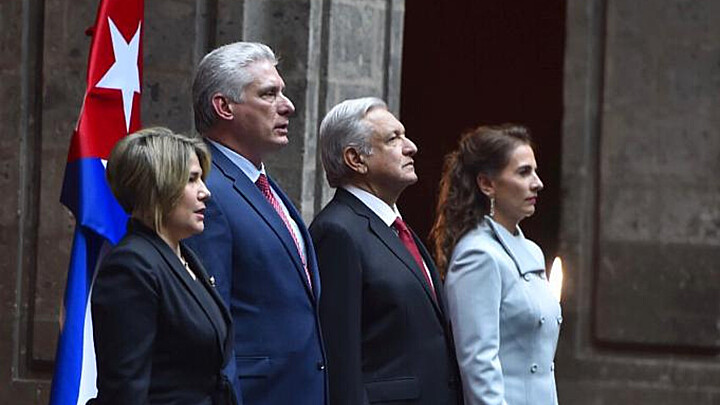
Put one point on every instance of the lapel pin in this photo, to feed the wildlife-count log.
(212, 281)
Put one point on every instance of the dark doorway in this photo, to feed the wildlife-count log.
(471, 62)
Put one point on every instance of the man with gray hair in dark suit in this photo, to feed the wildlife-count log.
(382, 307)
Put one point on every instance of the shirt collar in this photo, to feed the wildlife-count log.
(386, 213)
(240, 161)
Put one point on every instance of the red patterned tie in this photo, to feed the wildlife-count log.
(407, 240)
(264, 186)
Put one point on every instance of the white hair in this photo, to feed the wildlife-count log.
(345, 126)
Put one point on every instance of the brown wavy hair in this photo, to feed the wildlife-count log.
(461, 206)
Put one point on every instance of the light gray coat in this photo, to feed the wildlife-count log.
(504, 318)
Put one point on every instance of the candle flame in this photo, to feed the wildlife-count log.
(556, 278)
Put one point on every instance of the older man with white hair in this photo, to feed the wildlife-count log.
(382, 308)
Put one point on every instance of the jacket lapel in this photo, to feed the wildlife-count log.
(434, 275)
(249, 191)
(516, 249)
(202, 275)
(310, 259)
(393, 243)
(179, 271)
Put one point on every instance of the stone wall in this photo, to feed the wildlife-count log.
(640, 220)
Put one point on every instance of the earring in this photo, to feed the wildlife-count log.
(492, 206)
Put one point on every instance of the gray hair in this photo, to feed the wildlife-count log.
(345, 126)
(224, 71)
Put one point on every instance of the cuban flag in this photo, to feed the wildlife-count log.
(110, 110)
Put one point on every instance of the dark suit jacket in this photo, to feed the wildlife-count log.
(159, 339)
(259, 273)
(387, 338)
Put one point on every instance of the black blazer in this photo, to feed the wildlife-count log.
(160, 336)
(387, 338)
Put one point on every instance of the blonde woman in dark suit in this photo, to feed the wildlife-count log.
(162, 334)
(504, 319)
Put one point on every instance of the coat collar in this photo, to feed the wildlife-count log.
(249, 191)
(385, 212)
(516, 247)
(393, 243)
(177, 268)
(240, 161)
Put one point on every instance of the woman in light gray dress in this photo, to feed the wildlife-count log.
(505, 320)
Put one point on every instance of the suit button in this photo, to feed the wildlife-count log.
(527, 277)
(320, 366)
(533, 368)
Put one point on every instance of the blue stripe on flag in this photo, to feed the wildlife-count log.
(86, 193)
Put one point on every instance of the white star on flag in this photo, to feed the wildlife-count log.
(123, 75)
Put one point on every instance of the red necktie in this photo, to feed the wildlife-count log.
(407, 240)
(264, 186)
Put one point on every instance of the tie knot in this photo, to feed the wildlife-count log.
(399, 224)
(262, 183)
